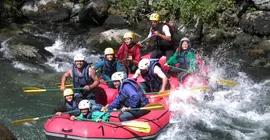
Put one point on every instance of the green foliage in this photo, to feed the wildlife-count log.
(129, 9)
(251, 9)
(188, 10)
(184, 10)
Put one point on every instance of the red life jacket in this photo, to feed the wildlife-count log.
(127, 51)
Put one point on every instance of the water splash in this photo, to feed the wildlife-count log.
(5, 50)
(63, 55)
(24, 67)
(33, 6)
(237, 113)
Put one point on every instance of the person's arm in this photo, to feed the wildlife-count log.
(64, 78)
(137, 74)
(173, 59)
(80, 117)
(93, 75)
(192, 62)
(119, 67)
(115, 103)
(99, 65)
(167, 33)
(160, 74)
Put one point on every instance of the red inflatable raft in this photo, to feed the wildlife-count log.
(60, 127)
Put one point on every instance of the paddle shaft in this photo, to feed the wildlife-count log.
(147, 38)
(154, 106)
(55, 115)
(190, 72)
(117, 123)
(44, 90)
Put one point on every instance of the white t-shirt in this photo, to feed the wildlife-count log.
(157, 71)
(165, 30)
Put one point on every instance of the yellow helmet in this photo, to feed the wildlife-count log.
(68, 92)
(154, 17)
(108, 51)
(129, 35)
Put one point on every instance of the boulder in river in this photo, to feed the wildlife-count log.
(256, 23)
(5, 133)
(95, 12)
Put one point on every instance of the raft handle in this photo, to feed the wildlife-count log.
(69, 130)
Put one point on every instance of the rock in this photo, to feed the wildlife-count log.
(242, 6)
(27, 47)
(259, 62)
(213, 36)
(262, 4)
(264, 45)
(229, 17)
(257, 23)
(94, 13)
(267, 65)
(245, 41)
(194, 32)
(5, 133)
(115, 21)
(51, 12)
(112, 34)
(112, 38)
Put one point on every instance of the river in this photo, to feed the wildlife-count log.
(237, 113)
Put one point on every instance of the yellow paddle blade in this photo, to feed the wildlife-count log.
(32, 90)
(154, 106)
(167, 92)
(138, 126)
(199, 88)
(18, 122)
(227, 82)
(160, 95)
(68, 85)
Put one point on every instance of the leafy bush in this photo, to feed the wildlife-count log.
(130, 9)
(188, 10)
(183, 10)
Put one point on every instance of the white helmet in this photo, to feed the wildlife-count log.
(79, 57)
(144, 64)
(119, 76)
(84, 104)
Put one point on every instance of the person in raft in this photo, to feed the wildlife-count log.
(83, 76)
(129, 53)
(88, 111)
(153, 74)
(185, 55)
(70, 103)
(130, 96)
(108, 66)
(164, 39)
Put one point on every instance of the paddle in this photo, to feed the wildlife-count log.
(165, 94)
(134, 125)
(67, 85)
(18, 122)
(228, 82)
(36, 90)
(154, 106)
(147, 38)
